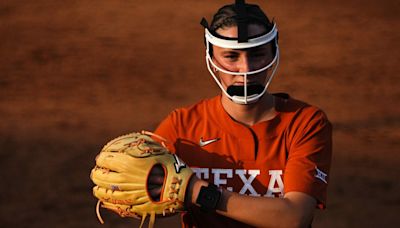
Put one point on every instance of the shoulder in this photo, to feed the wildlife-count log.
(298, 117)
(196, 112)
(183, 120)
(186, 120)
(297, 110)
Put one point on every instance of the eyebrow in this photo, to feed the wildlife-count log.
(261, 48)
(233, 51)
(236, 51)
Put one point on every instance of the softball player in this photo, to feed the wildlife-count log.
(260, 159)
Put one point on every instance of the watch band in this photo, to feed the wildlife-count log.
(208, 198)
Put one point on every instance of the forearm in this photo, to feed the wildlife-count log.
(259, 211)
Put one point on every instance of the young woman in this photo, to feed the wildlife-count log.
(260, 159)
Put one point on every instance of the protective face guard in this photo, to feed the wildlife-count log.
(234, 44)
(242, 42)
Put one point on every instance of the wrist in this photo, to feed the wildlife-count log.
(193, 193)
(209, 198)
(193, 190)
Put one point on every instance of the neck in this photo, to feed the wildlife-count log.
(251, 114)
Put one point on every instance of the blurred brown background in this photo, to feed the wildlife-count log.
(75, 74)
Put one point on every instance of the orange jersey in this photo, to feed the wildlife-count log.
(291, 152)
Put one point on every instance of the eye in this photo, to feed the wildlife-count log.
(259, 54)
(231, 57)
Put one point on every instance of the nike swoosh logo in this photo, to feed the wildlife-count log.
(204, 143)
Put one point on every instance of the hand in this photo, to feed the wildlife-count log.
(155, 182)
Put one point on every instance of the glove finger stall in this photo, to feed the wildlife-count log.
(114, 177)
(119, 186)
(120, 197)
(122, 163)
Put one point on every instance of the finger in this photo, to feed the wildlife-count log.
(155, 193)
(157, 170)
(156, 180)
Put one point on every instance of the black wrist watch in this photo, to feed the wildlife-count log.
(208, 198)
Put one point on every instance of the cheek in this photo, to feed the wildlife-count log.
(221, 62)
(260, 77)
(226, 79)
(261, 62)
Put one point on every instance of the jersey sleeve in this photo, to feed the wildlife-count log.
(167, 129)
(309, 156)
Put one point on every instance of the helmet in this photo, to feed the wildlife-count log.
(246, 94)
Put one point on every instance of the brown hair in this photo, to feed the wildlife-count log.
(227, 16)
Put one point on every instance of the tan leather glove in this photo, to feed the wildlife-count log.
(121, 178)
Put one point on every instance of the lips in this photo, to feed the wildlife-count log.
(248, 83)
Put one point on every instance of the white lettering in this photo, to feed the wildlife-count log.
(275, 179)
(201, 173)
(247, 182)
(217, 177)
(221, 177)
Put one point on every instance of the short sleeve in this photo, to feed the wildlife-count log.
(167, 130)
(309, 156)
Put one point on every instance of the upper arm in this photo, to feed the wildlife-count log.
(309, 157)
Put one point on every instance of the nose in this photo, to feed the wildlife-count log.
(243, 64)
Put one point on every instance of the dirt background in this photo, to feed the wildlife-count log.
(75, 74)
